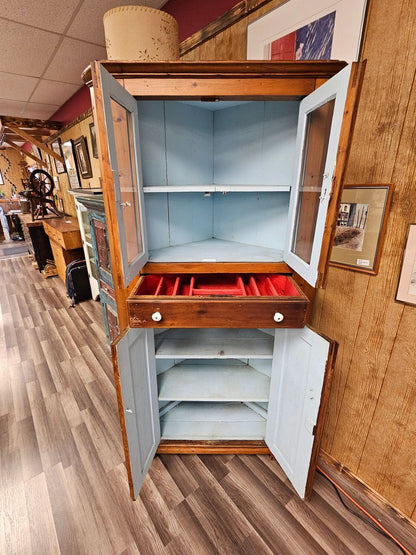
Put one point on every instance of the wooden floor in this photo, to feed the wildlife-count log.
(63, 482)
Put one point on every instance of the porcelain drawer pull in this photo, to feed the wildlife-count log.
(278, 317)
(156, 316)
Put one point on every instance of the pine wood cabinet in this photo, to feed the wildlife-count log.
(221, 183)
(65, 241)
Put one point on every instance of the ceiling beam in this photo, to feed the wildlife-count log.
(28, 137)
(20, 149)
(30, 123)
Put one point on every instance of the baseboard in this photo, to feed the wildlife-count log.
(398, 524)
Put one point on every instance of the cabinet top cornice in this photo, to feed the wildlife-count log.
(276, 69)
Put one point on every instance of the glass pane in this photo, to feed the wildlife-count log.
(129, 192)
(318, 127)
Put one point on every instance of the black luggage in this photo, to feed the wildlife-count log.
(77, 281)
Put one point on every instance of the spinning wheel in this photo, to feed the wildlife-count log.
(39, 191)
(41, 183)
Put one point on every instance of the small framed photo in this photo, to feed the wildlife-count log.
(56, 147)
(361, 226)
(406, 290)
(93, 138)
(37, 152)
(68, 152)
(83, 157)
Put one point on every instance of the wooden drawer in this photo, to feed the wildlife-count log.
(217, 300)
(64, 232)
(109, 291)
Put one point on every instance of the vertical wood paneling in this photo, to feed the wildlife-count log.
(371, 421)
(369, 428)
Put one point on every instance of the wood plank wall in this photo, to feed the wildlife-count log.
(371, 426)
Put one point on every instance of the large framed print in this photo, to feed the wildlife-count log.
(313, 30)
(68, 152)
(406, 290)
(361, 227)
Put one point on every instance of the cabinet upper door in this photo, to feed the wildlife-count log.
(321, 119)
(133, 355)
(126, 203)
(302, 367)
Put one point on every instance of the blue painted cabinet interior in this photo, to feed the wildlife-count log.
(189, 145)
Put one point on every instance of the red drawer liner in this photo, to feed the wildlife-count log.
(217, 285)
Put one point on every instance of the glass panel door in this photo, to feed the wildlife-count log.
(319, 127)
(315, 149)
(120, 110)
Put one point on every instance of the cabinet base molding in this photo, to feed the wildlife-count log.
(398, 524)
(213, 447)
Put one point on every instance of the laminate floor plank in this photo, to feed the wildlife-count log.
(63, 483)
(29, 449)
(42, 526)
(28, 370)
(180, 473)
(195, 535)
(67, 524)
(166, 485)
(165, 521)
(137, 518)
(275, 524)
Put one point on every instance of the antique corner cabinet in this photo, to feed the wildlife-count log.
(221, 182)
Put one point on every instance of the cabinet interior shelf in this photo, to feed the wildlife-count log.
(214, 188)
(213, 381)
(211, 421)
(214, 344)
(215, 250)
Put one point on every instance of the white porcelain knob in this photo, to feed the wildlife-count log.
(278, 317)
(156, 316)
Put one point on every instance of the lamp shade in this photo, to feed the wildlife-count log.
(140, 33)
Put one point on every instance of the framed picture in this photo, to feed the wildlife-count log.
(313, 30)
(37, 152)
(83, 157)
(56, 147)
(57, 185)
(93, 138)
(406, 290)
(361, 226)
(1, 179)
(68, 153)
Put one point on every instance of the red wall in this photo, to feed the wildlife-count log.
(79, 103)
(191, 15)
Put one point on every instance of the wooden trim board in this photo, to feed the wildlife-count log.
(213, 447)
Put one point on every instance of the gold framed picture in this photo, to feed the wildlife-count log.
(361, 227)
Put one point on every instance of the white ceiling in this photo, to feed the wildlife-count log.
(45, 46)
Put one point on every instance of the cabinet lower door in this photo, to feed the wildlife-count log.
(302, 367)
(133, 356)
